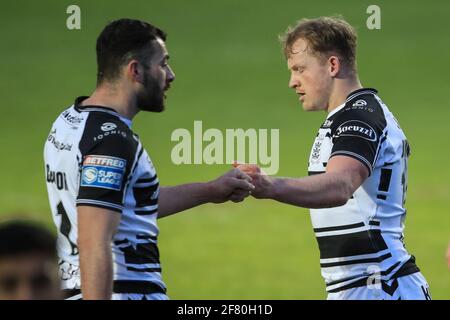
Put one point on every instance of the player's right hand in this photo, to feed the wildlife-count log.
(264, 185)
(234, 185)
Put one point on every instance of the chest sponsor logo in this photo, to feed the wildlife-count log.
(103, 172)
(56, 177)
(71, 118)
(356, 128)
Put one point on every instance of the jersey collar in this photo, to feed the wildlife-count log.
(361, 91)
(80, 108)
(351, 96)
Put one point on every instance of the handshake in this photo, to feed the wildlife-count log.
(239, 183)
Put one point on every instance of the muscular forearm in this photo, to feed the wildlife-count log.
(96, 271)
(179, 198)
(319, 191)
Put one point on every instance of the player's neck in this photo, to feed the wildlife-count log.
(112, 97)
(342, 88)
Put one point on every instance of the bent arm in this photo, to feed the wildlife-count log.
(331, 189)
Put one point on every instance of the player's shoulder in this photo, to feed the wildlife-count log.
(363, 104)
(362, 111)
(106, 130)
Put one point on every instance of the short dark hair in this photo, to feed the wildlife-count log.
(20, 237)
(324, 36)
(121, 41)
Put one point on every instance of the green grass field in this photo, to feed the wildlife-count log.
(231, 74)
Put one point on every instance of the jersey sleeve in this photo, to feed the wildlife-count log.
(105, 170)
(358, 133)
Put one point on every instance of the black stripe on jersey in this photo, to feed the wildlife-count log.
(381, 196)
(99, 204)
(135, 286)
(147, 180)
(143, 253)
(408, 268)
(342, 227)
(357, 261)
(143, 195)
(144, 269)
(332, 283)
(312, 173)
(391, 268)
(351, 244)
(145, 212)
(71, 294)
(359, 283)
(374, 223)
(385, 180)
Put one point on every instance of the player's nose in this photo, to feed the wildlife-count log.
(170, 75)
(293, 82)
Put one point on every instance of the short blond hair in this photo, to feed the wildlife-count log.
(325, 36)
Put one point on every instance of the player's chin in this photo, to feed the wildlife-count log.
(156, 105)
(308, 107)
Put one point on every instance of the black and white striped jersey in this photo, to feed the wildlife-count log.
(93, 158)
(364, 237)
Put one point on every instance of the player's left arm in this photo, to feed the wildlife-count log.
(330, 189)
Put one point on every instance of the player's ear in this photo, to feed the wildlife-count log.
(334, 65)
(135, 71)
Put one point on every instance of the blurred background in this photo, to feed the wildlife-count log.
(231, 74)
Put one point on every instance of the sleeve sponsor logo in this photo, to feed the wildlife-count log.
(356, 128)
(103, 172)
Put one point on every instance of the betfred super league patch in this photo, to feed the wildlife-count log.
(103, 172)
